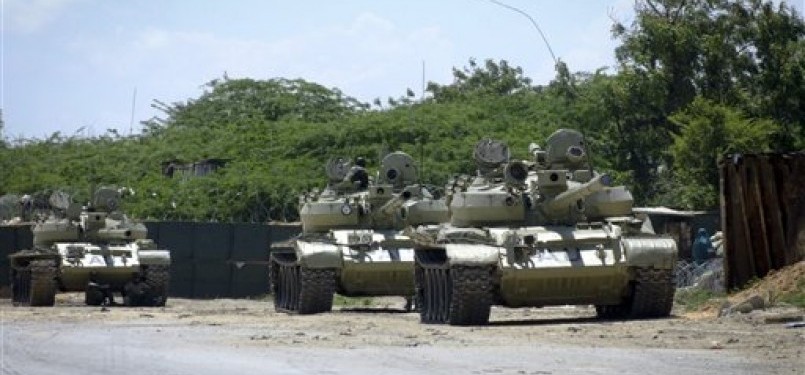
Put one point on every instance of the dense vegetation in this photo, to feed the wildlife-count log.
(695, 79)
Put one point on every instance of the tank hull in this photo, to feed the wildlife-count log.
(378, 272)
(366, 262)
(563, 286)
(77, 279)
(98, 270)
(561, 265)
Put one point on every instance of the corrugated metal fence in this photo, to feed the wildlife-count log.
(12, 238)
(208, 259)
(763, 213)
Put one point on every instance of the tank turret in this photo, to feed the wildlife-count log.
(557, 186)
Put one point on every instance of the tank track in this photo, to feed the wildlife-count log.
(301, 290)
(150, 289)
(157, 277)
(35, 284)
(653, 293)
(455, 295)
(652, 297)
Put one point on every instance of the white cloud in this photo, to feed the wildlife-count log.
(28, 16)
(371, 23)
(366, 57)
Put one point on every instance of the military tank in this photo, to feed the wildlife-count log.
(351, 241)
(540, 232)
(93, 249)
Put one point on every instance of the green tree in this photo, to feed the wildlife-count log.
(708, 131)
(744, 53)
(491, 78)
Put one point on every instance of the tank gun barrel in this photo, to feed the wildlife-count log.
(114, 234)
(117, 234)
(568, 197)
(395, 203)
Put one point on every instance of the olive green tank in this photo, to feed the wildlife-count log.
(93, 249)
(352, 241)
(540, 232)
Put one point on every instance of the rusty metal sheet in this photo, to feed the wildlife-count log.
(763, 213)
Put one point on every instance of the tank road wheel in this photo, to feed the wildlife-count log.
(424, 291)
(652, 297)
(278, 276)
(430, 296)
(301, 290)
(457, 295)
(34, 284)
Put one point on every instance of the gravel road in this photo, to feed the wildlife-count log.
(247, 337)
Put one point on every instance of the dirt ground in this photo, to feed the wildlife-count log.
(760, 336)
(247, 336)
(778, 282)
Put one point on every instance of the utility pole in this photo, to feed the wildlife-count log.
(133, 103)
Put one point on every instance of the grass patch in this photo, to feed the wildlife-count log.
(694, 299)
(344, 301)
(796, 297)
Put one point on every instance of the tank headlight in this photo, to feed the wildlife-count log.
(346, 209)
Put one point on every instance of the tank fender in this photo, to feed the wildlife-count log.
(472, 254)
(659, 253)
(318, 254)
(154, 257)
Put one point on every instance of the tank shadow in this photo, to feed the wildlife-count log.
(374, 310)
(548, 321)
(577, 320)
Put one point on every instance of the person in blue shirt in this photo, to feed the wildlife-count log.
(702, 247)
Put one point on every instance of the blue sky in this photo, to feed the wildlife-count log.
(74, 64)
